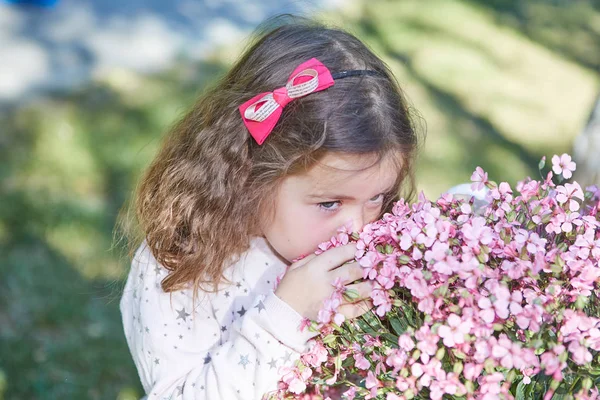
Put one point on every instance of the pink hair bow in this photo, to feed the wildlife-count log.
(261, 113)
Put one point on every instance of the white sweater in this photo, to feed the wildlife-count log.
(227, 345)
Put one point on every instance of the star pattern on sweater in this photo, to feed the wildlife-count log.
(272, 363)
(260, 306)
(244, 360)
(181, 314)
(210, 327)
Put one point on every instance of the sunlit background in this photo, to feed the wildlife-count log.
(87, 89)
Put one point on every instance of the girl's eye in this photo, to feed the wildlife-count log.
(378, 198)
(329, 205)
(335, 205)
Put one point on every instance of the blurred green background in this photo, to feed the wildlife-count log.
(498, 84)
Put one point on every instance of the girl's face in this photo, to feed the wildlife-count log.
(310, 207)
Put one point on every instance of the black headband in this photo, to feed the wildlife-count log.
(354, 72)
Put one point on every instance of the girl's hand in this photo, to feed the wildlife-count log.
(309, 281)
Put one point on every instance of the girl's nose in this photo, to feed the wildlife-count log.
(358, 221)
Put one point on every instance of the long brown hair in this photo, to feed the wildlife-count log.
(204, 195)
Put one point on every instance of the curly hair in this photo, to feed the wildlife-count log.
(211, 184)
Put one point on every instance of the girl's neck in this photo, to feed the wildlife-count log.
(261, 243)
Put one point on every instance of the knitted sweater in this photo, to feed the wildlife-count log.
(225, 345)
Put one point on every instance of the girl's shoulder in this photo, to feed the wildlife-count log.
(143, 255)
(252, 265)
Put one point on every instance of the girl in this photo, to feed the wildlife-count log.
(306, 133)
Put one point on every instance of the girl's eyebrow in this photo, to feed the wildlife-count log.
(329, 196)
(341, 196)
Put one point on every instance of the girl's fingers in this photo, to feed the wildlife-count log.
(337, 256)
(302, 262)
(348, 272)
(355, 310)
(363, 289)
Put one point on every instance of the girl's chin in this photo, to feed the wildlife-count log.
(299, 257)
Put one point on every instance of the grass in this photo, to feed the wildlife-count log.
(498, 84)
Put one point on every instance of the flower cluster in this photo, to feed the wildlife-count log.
(497, 303)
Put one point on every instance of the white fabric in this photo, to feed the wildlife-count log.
(227, 345)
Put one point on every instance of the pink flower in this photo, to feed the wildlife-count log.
(316, 356)
(387, 275)
(454, 333)
(372, 383)
(528, 189)
(361, 362)
(438, 252)
(477, 232)
(472, 371)
(416, 370)
(586, 245)
(492, 287)
(530, 240)
(482, 351)
(330, 307)
(514, 269)
(369, 261)
(426, 340)
(382, 300)
(530, 318)
(569, 193)
(507, 352)
(579, 353)
(490, 385)
(417, 284)
(294, 379)
(405, 342)
(305, 323)
(396, 359)
(479, 179)
(350, 393)
(551, 363)
(486, 312)
(563, 165)
(339, 319)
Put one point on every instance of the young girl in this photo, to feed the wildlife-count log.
(306, 133)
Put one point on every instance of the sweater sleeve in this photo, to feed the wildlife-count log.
(183, 350)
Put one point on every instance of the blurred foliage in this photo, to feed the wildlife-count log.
(68, 165)
(498, 84)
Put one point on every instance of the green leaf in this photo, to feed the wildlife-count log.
(520, 394)
(398, 325)
(350, 295)
(390, 338)
(329, 339)
(338, 363)
(371, 319)
(366, 328)
(409, 314)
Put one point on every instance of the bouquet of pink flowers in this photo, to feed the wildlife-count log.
(496, 303)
